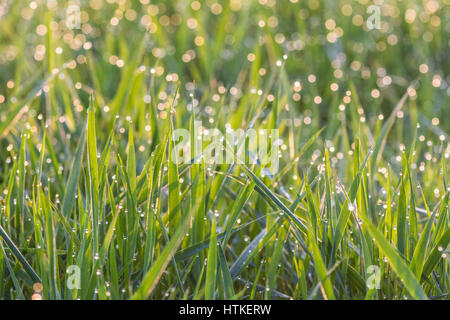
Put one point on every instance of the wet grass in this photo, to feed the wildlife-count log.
(357, 210)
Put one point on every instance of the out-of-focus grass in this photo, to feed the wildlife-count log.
(86, 117)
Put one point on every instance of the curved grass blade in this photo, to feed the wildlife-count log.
(19, 256)
(395, 260)
(381, 140)
(152, 277)
(72, 182)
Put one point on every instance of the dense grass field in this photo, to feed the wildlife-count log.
(93, 205)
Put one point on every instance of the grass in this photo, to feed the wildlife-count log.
(86, 133)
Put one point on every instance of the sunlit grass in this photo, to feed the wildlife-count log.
(86, 122)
